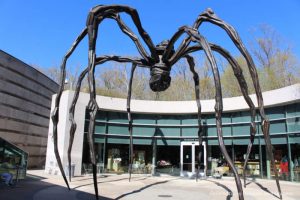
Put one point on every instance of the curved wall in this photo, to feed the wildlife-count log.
(25, 99)
(271, 98)
(175, 121)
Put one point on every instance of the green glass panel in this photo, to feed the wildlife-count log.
(143, 141)
(189, 119)
(277, 127)
(167, 142)
(187, 131)
(211, 131)
(226, 130)
(210, 119)
(243, 116)
(297, 105)
(215, 142)
(226, 118)
(275, 140)
(241, 141)
(117, 117)
(245, 141)
(228, 141)
(143, 131)
(295, 138)
(241, 129)
(212, 142)
(100, 128)
(293, 124)
(275, 113)
(118, 140)
(168, 119)
(118, 129)
(143, 119)
(100, 139)
(167, 132)
(293, 110)
(101, 115)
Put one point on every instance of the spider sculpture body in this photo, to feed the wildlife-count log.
(160, 61)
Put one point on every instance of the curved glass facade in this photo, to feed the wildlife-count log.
(158, 138)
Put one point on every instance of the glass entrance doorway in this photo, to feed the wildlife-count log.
(189, 158)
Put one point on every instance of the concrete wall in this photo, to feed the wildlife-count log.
(25, 101)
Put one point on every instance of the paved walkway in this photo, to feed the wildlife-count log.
(40, 186)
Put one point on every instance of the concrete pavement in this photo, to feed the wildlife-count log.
(40, 186)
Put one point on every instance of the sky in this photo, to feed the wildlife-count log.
(40, 32)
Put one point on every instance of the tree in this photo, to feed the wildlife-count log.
(112, 81)
(71, 76)
(207, 85)
(230, 85)
(278, 66)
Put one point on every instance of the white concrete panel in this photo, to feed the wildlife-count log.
(271, 98)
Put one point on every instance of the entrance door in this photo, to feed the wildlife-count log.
(187, 163)
(189, 158)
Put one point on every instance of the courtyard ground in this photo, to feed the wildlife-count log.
(40, 186)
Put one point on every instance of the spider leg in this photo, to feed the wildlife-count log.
(130, 120)
(244, 89)
(100, 12)
(184, 44)
(210, 16)
(92, 105)
(71, 116)
(125, 29)
(191, 63)
(95, 17)
(219, 103)
(55, 112)
(99, 60)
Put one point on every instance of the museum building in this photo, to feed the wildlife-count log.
(25, 103)
(165, 136)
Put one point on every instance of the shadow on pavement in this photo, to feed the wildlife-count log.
(265, 189)
(141, 189)
(34, 188)
(84, 178)
(229, 196)
(110, 181)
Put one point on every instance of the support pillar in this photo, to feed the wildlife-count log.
(153, 169)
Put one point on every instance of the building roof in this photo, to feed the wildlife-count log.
(282, 96)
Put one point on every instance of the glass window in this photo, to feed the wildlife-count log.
(117, 117)
(12, 159)
(295, 161)
(243, 116)
(143, 130)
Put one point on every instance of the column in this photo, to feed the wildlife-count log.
(153, 169)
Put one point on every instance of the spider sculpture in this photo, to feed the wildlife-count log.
(160, 60)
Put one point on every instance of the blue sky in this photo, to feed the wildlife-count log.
(40, 32)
